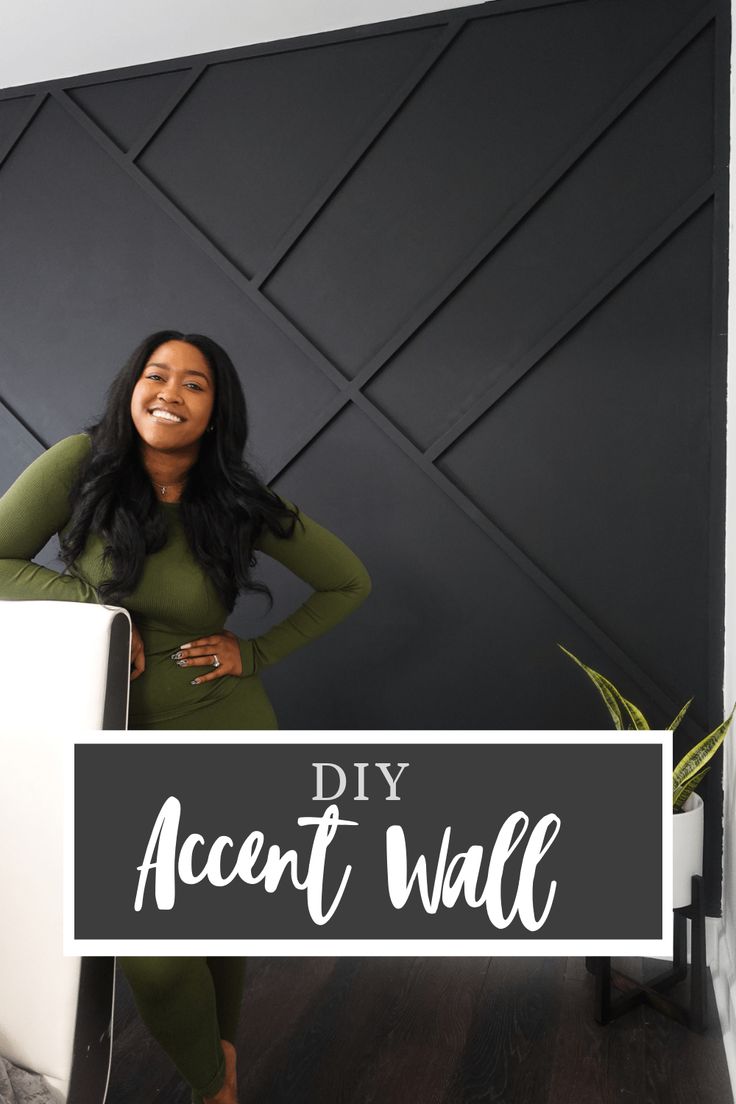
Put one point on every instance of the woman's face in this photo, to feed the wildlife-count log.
(173, 400)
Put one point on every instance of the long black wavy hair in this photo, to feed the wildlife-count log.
(224, 506)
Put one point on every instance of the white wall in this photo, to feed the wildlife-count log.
(49, 39)
(722, 933)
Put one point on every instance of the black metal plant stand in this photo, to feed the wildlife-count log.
(634, 993)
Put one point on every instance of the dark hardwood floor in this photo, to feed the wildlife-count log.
(436, 1031)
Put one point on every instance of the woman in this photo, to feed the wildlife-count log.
(157, 511)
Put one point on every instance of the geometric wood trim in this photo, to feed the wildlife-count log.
(198, 236)
(350, 391)
(21, 421)
(528, 202)
(33, 108)
(166, 111)
(525, 563)
(556, 333)
(358, 150)
(580, 310)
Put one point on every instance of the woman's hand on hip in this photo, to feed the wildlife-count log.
(221, 651)
(137, 654)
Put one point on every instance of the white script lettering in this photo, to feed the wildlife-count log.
(161, 857)
(464, 872)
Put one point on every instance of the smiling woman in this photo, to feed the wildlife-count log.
(157, 510)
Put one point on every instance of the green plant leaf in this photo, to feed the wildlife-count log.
(680, 794)
(640, 721)
(680, 715)
(616, 703)
(698, 756)
(599, 683)
(693, 766)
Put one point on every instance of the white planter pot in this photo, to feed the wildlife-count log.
(687, 849)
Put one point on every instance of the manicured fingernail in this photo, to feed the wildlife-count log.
(181, 662)
(176, 655)
(185, 645)
(194, 682)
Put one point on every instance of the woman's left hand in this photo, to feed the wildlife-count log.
(201, 653)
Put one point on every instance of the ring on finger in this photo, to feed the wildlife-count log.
(215, 662)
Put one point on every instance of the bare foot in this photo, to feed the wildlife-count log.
(228, 1094)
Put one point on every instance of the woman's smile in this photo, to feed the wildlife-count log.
(166, 415)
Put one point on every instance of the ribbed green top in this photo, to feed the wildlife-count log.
(175, 601)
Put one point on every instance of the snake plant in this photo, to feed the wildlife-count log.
(693, 766)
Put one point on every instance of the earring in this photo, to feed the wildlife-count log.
(210, 428)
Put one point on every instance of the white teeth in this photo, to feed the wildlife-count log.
(166, 415)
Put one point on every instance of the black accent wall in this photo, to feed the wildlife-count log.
(472, 269)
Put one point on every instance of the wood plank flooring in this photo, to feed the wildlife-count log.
(436, 1031)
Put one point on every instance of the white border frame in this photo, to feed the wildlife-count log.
(528, 948)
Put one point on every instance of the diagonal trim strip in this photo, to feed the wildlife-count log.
(563, 326)
(33, 110)
(167, 111)
(359, 149)
(21, 421)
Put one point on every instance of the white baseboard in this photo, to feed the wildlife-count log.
(720, 960)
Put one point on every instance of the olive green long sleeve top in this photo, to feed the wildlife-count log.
(175, 601)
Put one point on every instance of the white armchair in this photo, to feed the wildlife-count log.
(65, 666)
(64, 663)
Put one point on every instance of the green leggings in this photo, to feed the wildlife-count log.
(189, 1005)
